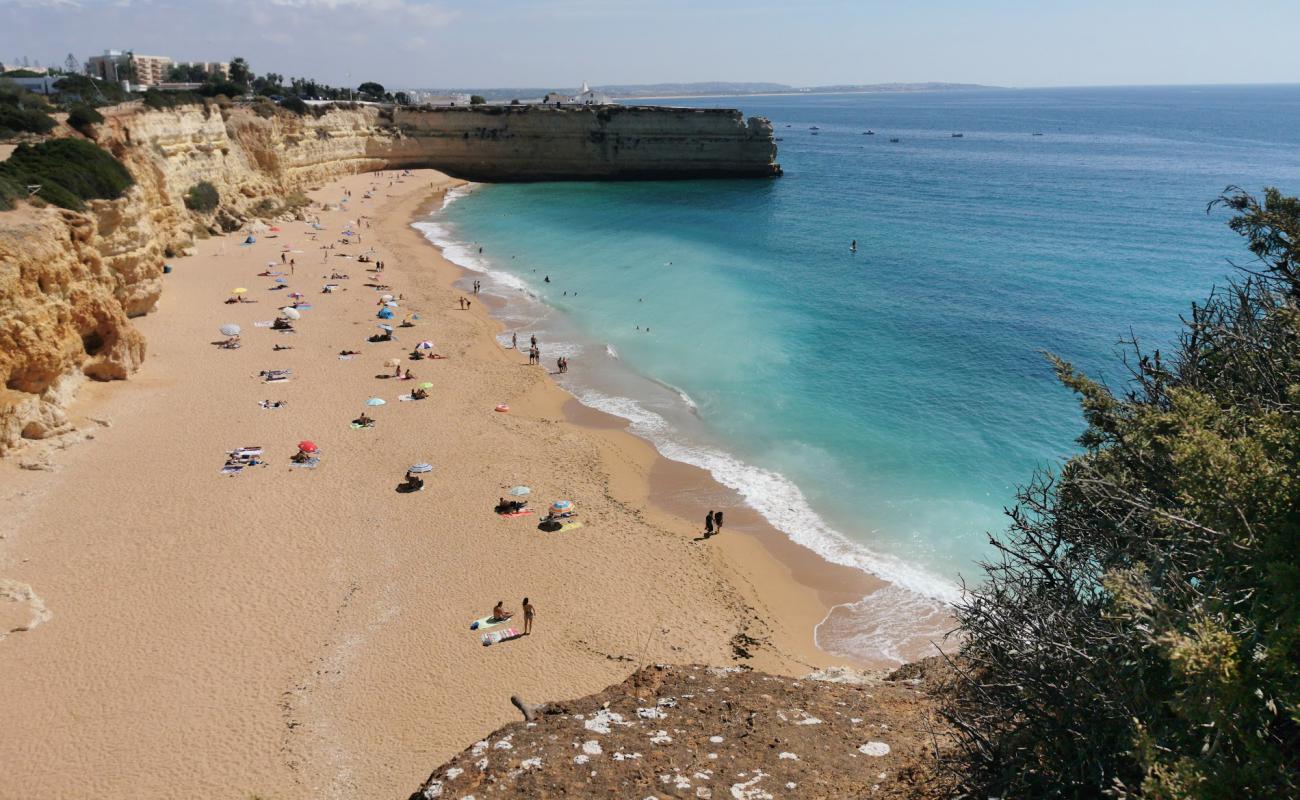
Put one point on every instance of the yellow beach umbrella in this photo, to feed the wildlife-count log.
(239, 290)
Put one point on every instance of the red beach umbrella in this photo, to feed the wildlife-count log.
(307, 446)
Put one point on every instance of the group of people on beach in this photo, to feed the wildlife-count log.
(500, 614)
(712, 523)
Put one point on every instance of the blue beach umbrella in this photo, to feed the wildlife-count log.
(561, 505)
(375, 401)
(520, 491)
(385, 313)
(280, 280)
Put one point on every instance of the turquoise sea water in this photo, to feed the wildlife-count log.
(882, 406)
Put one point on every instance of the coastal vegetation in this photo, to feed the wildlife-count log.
(22, 111)
(65, 172)
(82, 117)
(202, 197)
(1138, 631)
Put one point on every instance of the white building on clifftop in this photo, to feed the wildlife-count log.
(585, 97)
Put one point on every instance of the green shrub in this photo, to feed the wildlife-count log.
(82, 117)
(202, 197)
(1138, 631)
(157, 100)
(69, 172)
(88, 91)
(294, 104)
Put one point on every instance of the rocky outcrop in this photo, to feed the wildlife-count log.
(70, 282)
(706, 732)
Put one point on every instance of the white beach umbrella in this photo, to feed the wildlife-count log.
(230, 329)
(291, 313)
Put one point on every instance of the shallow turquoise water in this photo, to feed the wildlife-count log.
(882, 406)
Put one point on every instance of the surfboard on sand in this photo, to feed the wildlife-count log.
(483, 623)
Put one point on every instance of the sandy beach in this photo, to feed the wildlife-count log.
(290, 632)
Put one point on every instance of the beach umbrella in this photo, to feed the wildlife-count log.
(250, 239)
(424, 346)
(385, 297)
(307, 446)
(238, 290)
(392, 362)
(296, 295)
(280, 280)
(229, 330)
(561, 505)
(419, 468)
(375, 401)
(291, 313)
(384, 327)
(426, 385)
(385, 313)
(274, 229)
(520, 491)
(270, 263)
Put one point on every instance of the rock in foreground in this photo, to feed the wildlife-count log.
(703, 732)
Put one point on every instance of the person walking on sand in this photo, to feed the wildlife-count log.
(708, 524)
(717, 522)
(514, 340)
(529, 613)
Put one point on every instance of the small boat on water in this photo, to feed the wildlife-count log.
(958, 135)
(868, 133)
(813, 128)
(895, 141)
(814, 133)
(1037, 134)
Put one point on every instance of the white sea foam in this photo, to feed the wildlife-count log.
(776, 498)
(452, 195)
(883, 625)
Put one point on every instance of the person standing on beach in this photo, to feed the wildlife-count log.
(708, 524)
(529, 613)
(717, 522)
(514, 340)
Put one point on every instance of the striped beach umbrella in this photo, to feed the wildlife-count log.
(562, 505)
(230, 330)
(420, 468)
(520, 491)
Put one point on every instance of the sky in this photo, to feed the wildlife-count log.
(560, 43)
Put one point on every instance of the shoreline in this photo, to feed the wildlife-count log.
(862, 607)
(675, 493)
(298, 633)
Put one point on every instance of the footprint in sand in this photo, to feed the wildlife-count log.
(21, 609)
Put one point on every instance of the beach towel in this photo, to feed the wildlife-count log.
(523, 512)
(310, 463)
(484, 623)
(232, 469)
(356, 426)
(268, 323)
(569, 526)
(345, 358)
(276, 379)
(499, 636)
(405, 398)
(303, 306)
(244, 452)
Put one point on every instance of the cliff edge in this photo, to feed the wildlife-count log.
(709, 732)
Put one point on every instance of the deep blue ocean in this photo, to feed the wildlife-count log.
(882, 406)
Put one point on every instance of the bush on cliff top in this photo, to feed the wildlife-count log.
(68, 171)
(203, 197)
(22, 111)
(1138, 633)
(81, 118)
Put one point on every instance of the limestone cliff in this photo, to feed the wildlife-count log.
(70, 282)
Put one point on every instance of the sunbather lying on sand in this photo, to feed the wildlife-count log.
(282, 347)
(414, 483)
(505, 506)
(500, 612)
(300, 457)
(419, 394)
(364, 421)
(349, 352)
(274, 403)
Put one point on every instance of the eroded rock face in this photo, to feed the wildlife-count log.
(702, 732)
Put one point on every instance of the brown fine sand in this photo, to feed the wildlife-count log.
(292, 633)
